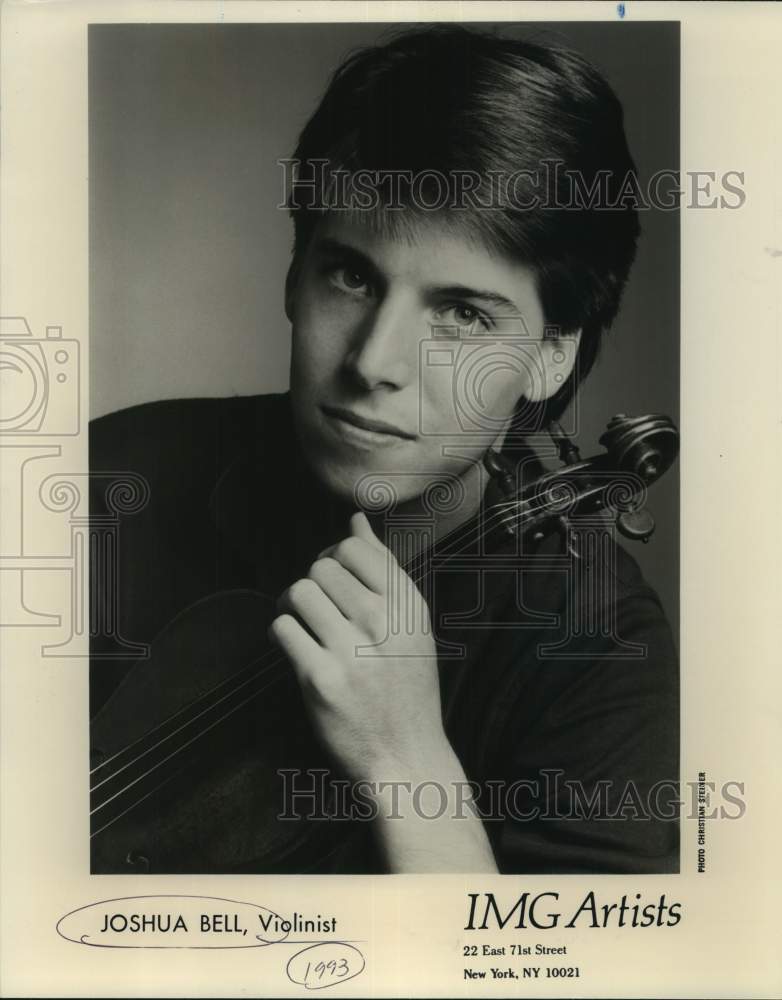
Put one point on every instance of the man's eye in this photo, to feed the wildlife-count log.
(350, 279)
(464, 315)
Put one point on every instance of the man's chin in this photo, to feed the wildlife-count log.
(368, 484)
(340, 482)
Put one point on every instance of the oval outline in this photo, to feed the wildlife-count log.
(326, 944)
(260, 942)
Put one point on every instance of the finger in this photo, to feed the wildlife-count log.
(347, 592)
(306, 600)
(297, 644)
(368, 563)
(361, 528)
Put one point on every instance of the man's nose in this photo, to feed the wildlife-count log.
(384, 351)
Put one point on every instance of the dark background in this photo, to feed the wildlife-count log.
(188, 249)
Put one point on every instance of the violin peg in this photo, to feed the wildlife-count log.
(636, 524)
(568, 452)
(501, 470)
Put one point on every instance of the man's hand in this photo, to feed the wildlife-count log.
(357, 632)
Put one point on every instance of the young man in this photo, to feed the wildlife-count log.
(431, 714)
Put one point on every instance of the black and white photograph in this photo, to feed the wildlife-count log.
(389, 453)
(384, 342)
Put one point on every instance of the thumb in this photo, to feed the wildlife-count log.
(361, 528)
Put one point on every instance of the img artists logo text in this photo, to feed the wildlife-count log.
(543, 912)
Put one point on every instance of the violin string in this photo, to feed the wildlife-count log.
(178, 750)
(498, 517)
(211, 704)
(133, 805)
(495, 516)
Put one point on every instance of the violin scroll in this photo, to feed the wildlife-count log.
(638, 451)
(645, 446)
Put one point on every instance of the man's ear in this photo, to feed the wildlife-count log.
(557, 359)
(291, 281)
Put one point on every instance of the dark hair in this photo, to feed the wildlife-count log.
(450, 100)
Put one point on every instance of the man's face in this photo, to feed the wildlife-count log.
(407, 350)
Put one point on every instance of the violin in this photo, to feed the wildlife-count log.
(182, 778)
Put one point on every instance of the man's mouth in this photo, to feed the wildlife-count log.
(364, 430)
